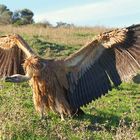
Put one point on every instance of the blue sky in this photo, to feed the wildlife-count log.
(110, 13)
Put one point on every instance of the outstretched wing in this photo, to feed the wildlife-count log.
(111, 57)
(13, 50)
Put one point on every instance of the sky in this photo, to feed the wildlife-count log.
(109, 13)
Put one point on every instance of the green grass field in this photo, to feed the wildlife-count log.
(115, 116)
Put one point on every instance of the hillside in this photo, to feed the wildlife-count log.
(115, 116)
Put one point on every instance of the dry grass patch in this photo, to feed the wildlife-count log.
(67, 36)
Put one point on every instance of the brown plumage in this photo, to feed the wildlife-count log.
(63, 86)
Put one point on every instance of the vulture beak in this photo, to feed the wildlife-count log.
(13, 79)
(17, 78)
(7, 79)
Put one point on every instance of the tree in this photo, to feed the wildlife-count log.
(65, 25)
(27, 16)
(5, 15)
(22, 17)
(44, 24)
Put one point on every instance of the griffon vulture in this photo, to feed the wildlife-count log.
(63, 86)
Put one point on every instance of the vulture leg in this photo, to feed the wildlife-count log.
(78, 112)
(62, 117)
(42, 116)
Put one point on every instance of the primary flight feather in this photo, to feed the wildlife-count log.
(64, 86)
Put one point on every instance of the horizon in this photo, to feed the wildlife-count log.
(108, 13)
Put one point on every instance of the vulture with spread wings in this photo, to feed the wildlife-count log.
(63, 86)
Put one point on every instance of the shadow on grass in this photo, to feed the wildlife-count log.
(136, 79)
(102, 120)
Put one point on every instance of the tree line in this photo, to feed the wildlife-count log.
(23, 17)
(19, 17)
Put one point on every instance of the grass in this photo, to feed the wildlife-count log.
(115, 116)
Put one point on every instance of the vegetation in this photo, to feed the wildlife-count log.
(23, 17)
(115, 116)
(5, 15)
(63, 24)
(19, 17)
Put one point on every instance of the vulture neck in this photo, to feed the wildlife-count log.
(24, 46)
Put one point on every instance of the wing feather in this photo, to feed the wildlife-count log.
(11, 62)
(110, 58)
(11, 55)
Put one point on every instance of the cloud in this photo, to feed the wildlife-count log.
(93, 13)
